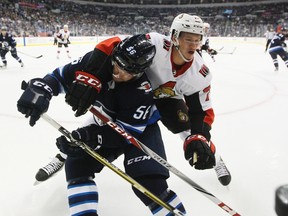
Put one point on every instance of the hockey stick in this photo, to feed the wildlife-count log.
(111, 166)
(162, 161)
(24, 53)
(32, 56)
(219, 49)
(231, 52)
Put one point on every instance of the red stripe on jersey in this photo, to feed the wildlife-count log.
(148, 36)
(204, 70)
(108, 45)
(180, 69)
(209, 116)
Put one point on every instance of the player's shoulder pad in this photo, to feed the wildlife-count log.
(108, 45)
(160, 40)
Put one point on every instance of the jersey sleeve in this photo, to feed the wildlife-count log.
(61, 77)
(201, 119)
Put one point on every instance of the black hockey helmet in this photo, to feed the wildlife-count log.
(134, 54)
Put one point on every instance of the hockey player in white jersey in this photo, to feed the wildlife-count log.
(206, 43)
(181, 82)
(269, 36)
(63, 40)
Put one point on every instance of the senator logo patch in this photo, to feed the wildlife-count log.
(165, 90)
(182, 116)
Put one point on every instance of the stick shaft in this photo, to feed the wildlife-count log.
(29, 55)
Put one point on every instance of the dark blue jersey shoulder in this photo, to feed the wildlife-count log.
(97, 62)
(9, 39)
(277, 40)
(62, 77)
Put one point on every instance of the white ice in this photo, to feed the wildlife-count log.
(251, 106)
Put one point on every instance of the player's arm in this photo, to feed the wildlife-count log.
(59, 35)
(201, 120)
(38, 92)
(98, 69)
(198, 148)
(205, 46)
(92, 135)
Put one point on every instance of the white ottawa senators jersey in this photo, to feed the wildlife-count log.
(167, 81)
(63, 36)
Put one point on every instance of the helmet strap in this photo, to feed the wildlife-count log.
(177, 46)
(181, 55)
(116, 76)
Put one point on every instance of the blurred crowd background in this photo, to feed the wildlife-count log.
(228, 18)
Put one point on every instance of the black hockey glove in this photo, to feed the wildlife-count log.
(6, 46)
(204, 47)
(212, 52)
(35, 99)
(83, 92)
(89, 135)
(199, 152)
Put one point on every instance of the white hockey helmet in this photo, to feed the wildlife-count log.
(186, 23)
(65, 26)
(206, 25)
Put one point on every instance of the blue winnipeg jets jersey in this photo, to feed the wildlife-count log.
(277, 42)
(7, 40)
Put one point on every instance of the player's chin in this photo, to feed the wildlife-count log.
(119, 79)
(190, 55)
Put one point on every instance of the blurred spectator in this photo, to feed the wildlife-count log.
(39, 17)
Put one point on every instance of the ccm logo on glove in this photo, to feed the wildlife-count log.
(43, 85)
(88, 79)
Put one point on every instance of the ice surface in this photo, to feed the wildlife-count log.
(250, 102)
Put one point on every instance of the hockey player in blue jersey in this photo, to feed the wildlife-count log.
(278, 48)
(8, 43)
(126, 97)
